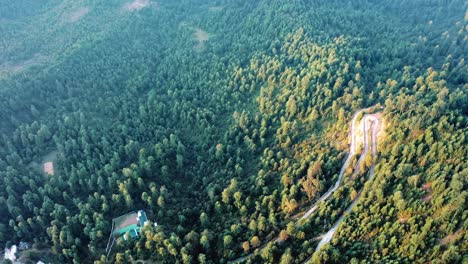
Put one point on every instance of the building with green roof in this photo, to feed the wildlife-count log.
(130, 223)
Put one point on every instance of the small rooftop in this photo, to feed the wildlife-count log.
(49, 168)
(131, 222)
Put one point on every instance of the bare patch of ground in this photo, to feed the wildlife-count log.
(77, 14)
(414, 134)
(215, 8)
(137, 5)
(428, 188)
(371, 234)
(427, 198)
(403, 217)
(11, 68)
(198, 35)
(201, 36)
(450, 238)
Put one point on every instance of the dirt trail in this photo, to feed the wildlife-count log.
(352, 151)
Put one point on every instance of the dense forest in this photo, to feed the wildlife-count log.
(226, 121)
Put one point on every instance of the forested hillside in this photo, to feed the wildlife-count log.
(226, 121)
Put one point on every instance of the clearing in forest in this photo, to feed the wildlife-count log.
(76, 14)
(428, 188)
(215, 8)
(452, 237)
(137, 5)
(9, 67)
(201, 36)
(39, 165)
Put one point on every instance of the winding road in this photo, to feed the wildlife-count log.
(352, 151)
(374, 122)
(368, 118)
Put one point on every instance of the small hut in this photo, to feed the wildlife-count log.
(49, 168)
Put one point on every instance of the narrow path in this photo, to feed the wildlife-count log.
(352, 151)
